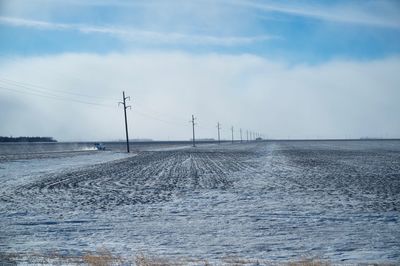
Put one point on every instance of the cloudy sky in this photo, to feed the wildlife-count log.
(286, 69)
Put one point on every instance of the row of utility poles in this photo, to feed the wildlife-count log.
(250, 134)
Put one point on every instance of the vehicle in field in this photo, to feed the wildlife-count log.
(100, 146)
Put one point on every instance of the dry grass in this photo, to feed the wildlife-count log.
(103, 257)
(235, 261)
(142, 260)
(309, 262)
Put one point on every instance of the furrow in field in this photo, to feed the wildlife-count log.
(148, 177)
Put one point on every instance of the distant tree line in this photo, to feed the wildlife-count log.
(27, 139)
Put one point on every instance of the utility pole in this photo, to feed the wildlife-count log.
(247, 133)
(126, 121)
(219, 128)
(193, 123)
(241, 139)
(232, 133)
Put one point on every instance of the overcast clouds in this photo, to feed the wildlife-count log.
(294, 72)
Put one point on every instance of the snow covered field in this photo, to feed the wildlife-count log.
(338, 200)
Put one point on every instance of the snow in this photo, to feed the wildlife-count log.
(270, 200)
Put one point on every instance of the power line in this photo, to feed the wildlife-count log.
(29, 89)
(159, 119)
(158, 113)
(40, 91)
(50, 96)
(42, 88)
(155, 117)
(53, 70)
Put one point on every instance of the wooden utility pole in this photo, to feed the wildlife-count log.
(193, 123)
(241, 139)
(126, 120)
(232, 133)
(219, 128)
(247, 133)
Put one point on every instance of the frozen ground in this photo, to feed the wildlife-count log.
(272, 200)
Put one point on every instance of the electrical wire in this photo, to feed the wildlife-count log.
(49, 96)
(173, 117)
(42, 88)
(135, 110)
(39, 91)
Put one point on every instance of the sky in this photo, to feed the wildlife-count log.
(284, 69)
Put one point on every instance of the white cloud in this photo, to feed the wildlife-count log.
(142, 36)
(379, 13)
(382, 13)
(332, 100)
